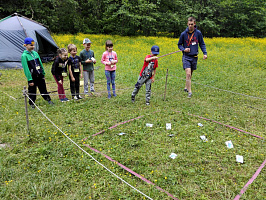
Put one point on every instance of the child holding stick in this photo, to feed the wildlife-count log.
(147, 74)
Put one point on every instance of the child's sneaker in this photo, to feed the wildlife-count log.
(133, 99)
(189, 95)
(109, 96)
(79, 97)
(114, 94)
(66, 99)
(75, 98)
(147, 103)
(185, 90)
(62, 100)
(50, 102)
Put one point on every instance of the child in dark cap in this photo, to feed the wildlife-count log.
(147, 74)
(34, 72)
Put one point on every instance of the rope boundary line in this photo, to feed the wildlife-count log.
(225, 125)
(219, 88)
(130, 171)
(87, 152)
(250, 181)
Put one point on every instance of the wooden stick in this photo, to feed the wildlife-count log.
(165, 84)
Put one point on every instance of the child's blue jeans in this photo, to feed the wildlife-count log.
(110, 76)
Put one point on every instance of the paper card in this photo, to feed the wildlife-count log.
(173, 155)
(171, 135)
(168, 126)
(121, 133)
(199, 124)
(229, 144)
(239, 159)
(203, 137)
(149, 125)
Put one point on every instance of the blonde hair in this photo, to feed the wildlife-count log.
(71, 47)
(62, 50)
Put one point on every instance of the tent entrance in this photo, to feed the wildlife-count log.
(46, 50)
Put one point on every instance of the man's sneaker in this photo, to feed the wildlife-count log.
(32, 106)
(189, 95)
(185, 90)
(50, 102)
(147, 103)
(75, 98)
(133, 99)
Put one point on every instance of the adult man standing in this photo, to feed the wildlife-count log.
(188, 43)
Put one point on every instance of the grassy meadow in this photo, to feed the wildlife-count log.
(228, 87)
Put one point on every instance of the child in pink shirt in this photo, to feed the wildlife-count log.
(109, 59)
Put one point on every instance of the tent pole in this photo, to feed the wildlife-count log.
(21, 25)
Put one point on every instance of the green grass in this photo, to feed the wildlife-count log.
(43, 164)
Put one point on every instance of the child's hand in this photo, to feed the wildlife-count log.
(31, 84)
(81, 76)
(112, 62)
(204, 57)
(154, 57)
(187, 50)
(88, 61)
(60, 82)
(108, 63)
(153, 79)
(73, 79)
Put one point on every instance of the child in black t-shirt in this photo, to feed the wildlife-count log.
(75, 71)
(59, 71)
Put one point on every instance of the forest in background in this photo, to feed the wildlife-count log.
(215, 18)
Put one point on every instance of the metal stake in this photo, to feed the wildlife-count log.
(26, 107)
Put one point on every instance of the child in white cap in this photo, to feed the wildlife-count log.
(87, 60)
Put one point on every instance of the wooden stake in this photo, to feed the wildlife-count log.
(26, 107)
(165, 84)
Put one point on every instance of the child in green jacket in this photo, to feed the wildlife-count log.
(34, 72)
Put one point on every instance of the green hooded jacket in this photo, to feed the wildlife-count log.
(32, 65)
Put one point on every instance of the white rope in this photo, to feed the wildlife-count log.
(9, 95)
(221, 89)
(55, 94)
(87, 152)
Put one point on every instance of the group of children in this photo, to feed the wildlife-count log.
(81, 66)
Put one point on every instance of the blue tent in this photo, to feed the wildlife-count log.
(13, 30)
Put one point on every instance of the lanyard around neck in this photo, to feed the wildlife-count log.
(111, 55)
(189, 39)
(33, 58)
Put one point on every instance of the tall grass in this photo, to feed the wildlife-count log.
(43, 164)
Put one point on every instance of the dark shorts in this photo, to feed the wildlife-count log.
(189, 62)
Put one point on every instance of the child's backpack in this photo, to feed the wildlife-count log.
(147, 72)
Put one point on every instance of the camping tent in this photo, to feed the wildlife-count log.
(13, 30)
